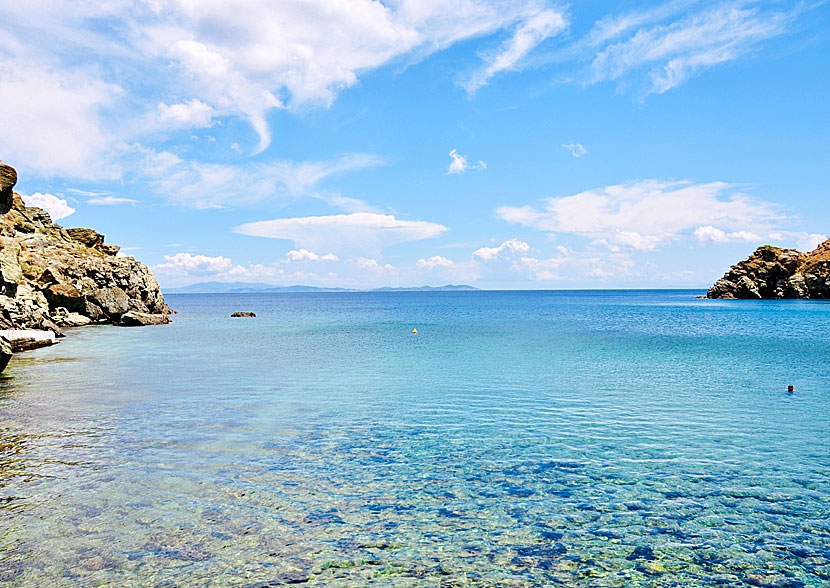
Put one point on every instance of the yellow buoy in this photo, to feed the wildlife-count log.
(415, 331)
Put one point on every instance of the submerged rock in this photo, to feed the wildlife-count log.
(773, 272)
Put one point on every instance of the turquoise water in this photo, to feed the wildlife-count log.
(519, 439)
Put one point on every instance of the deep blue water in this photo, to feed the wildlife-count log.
(518, 439)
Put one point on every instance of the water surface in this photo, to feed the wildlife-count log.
(519, 439)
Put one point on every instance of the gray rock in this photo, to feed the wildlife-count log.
(11, 273)
(73, 319)
(797, 287)
(112, 300)
(142, 319)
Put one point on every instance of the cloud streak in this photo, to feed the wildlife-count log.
(663, 47)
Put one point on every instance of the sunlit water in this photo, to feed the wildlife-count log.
(519, 439)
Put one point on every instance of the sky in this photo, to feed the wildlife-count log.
(516, 144)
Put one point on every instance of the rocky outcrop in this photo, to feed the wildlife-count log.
(773, 272)
(243, 315)
(52, 278)
(8, 178)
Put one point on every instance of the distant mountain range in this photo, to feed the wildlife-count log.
(247, 287)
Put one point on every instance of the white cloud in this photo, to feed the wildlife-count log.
(667, 47)
(527, 36)
(364, 232)
(198, 62)
(576, 149)
(436, 261)
(645, 214)
(306, 255)
(809, 241)
(52, 119)
(458, 164)
(250, 57)
(193, 265)
(186, 115)
(373, 266)
(710, 234)
(57, 208)
(510, 246)
(110, 201)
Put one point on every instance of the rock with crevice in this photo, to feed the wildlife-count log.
(774, 273)
(8, 178)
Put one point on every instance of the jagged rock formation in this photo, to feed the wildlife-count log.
(51, 277)
(8, 178)
(773, 272)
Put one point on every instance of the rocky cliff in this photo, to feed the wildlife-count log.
(52, 278)
(773, 272)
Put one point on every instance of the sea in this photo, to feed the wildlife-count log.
(551, 438)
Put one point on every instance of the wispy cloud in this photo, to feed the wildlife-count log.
(203, 185)
(662, 47)
(576, 149)
(526, 37)
(459, 164)
(110, 201)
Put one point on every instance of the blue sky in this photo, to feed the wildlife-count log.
(359, 144)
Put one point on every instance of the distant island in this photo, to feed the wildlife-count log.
(774, 272)
(247, 288)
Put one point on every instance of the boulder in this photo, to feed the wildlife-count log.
(142, 319)
(11, 274)
(243, 314)
(66, 296)
(112, 300)
(73, 319)
(8, 178)
(88, 237)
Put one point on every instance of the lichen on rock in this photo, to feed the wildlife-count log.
(773, 272)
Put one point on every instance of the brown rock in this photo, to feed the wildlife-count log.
(65, 295)
(243, 314)
(88, 237)
(8, 178)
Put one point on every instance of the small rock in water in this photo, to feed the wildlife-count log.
(243, 314)
(646, 553)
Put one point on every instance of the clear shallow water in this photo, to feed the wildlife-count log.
(519, 439)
